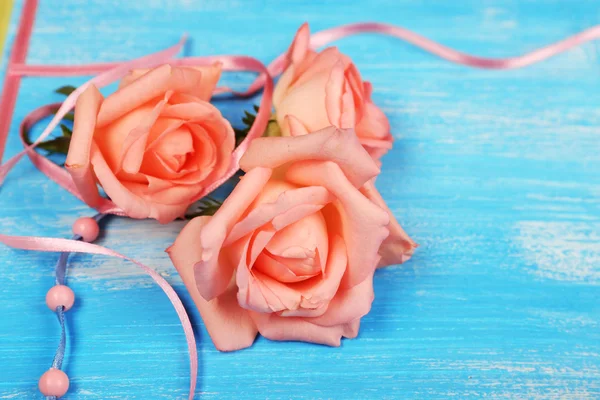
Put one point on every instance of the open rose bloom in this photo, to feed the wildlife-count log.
(154, 145)
(321, 89)
(292, 251)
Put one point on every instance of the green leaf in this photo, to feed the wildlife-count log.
(57, 145)
(61, 143)
(273, 129)
(248, 120)
(66, 90)
(206, 206)
(66, 131)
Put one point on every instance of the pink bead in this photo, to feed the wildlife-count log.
(60, 295)
(87, 228)
(54, 382)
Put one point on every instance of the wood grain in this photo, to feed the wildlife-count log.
(495, 174)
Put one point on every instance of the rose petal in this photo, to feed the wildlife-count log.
(223, 136)
(374, 124)
(326, 288)
(196, 111)
(78, 157)
(174, 148)
(294, 126)
(349, 114)
(317, 67)
(206, 149)
(334, 89)
(198, 165)
(162, 127)
(155, 83)
(134, 144)
(305, 264)
(356, 88)
(132, 205)
(213, 154)
(197, 81)
(251, 297)
(149, 86)
(331, 144)
(229, 326)
(382, 144)
(133, 75)
(302, 245)
(287, 201)
(277, 293)
(300, 44)
(273, 267)
(212, 276)
(312, 113)
(351, 329)
(363, 224)
(210, 77)
(348, 305)
(280, 91)
(216, 230)
(398, 247)
(305, 312)
(275, 327)
(170, 194)
(367, 90)
(306, 80)
(257, 291)
(110, 137)
(250, 293)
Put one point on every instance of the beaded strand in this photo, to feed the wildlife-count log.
(54, 383)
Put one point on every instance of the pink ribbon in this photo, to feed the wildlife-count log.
(56, 173)
(327, 36)
(11, 81)
(75, 246)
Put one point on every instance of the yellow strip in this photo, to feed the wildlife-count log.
(5, 8)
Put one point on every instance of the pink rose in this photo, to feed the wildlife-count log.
(292, 251)
(321, 89)
(154, 144)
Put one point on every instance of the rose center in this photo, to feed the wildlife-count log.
(174, 162)
(297, 252)
(174, 149)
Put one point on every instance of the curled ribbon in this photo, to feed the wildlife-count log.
(75, 246)
(327, 36)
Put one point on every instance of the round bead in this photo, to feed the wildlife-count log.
(54, 382)
(87, 228)
(60, 295)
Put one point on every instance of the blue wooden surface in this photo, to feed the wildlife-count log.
(495, 174)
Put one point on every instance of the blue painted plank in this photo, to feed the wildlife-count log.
(494, 173)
